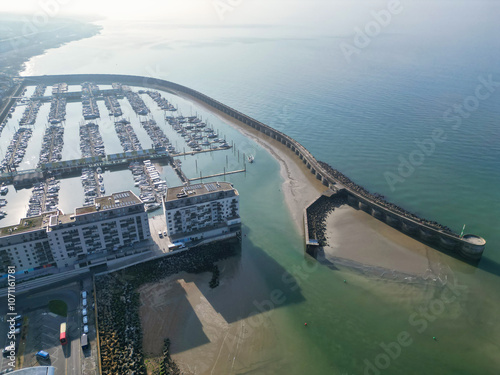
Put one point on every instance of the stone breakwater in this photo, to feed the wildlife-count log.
(381, 201)
(470, 246)
(317, 213)
(119, 324)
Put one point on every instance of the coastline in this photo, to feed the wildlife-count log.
(356, 239)
(299, 186)
(359, 243)
(29, 47)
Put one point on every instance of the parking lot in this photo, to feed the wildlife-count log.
(43, 334)
(41, 331)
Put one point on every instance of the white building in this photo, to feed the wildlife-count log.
(114, 222)
(202, 212)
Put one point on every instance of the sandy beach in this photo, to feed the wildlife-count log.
(219, 331)
(355, 238)
(213, 331)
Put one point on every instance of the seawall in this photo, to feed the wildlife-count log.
(470, 246)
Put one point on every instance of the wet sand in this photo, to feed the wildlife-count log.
(354, 235)
(205, 338)
(204, 341)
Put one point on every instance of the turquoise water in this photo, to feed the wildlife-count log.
(361, 117)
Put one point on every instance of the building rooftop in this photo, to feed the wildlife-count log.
(28, 224)
(53, 218)
(109, 202)
(180, 192)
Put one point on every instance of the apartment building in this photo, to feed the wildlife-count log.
(114, 222)
(200, 212)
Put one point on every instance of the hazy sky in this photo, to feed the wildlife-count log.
(206, 11)
(336, 16)
(182, 10)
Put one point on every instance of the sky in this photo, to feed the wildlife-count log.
(182, 10)
(204, 11)
(336, 16)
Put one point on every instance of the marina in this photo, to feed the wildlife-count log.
(30, 112)
(127, 136)
(136, 102)
(32, 106)
(161, 101)
(90, 110)
(113, 105)
(44, 197)
(91, 143)
(273, 83)
(149, 181)
(45, 158)
(57, 112)
(93, 185)
(59, 88)
(16, 150)
(52, 144)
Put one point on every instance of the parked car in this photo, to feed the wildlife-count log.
(42, 354)
(85, 319)
(6, 351)
(84, 312)
(84, 294)
(85, 329)
(84, 302)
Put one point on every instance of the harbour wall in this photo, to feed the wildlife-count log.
(470, 246)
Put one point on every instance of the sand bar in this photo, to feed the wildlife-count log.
(354, 235)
